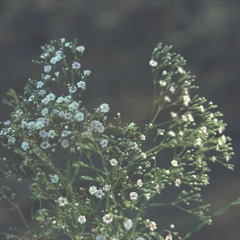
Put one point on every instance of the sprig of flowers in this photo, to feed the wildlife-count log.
(94, 176)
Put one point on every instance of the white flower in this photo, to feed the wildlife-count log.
(92, 190)
(47, 68)
(86, 73)
(62, 201)
(174, 163)
(162, 83)
(65, 133)
(96, 125)
(106, 188)
(172, 89)
(180, 70)
(39, 84)
(41, 92)
(167, 99)
(82, 85)
(140, 238)
(50, 97)
(153, 63)
(39, 124)
(72, 89)
(104, 143)
(99, 193)
(173, 114)
(128, 224)
(80, 49)
(113, 162)
(172, 133)
(139, 182)
(107, 218)
(51, 134)
(168, 237)
(73, 106)
(57, 74)
(11, 139)
(79, 116)
(152, 226)
(45, 145)
(65, 143)
(133, 145)
(198, 142)
(133, 196)
(43, 133)
(186, 100)
(177, 182)
(76, 65)
(67, 115)
(142, 137)
(104, 108)
(81, 219)
(25, 145)
(60, 99)
(54, 178)
(190, 118)
(45, 111)
(56, 58)
(144, 156)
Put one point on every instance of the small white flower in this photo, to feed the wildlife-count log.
(47, 68)
(139, 183)
(168, 237)
(113, 162)
(133, 145)
(65, 143)
(172, 89)
(107, 218)
(45, 145)
(172, 133)
(54, 178)
(67, 115)
(51, 134)
(42, 92)
(167, 99)
(164, 73)
(45, 111)
(79, 116)
(80, 49)
(133, 196)
(99, 193)
(177, 182)
(65, 133)
(186, 100)
(72, 89)
(128, 224)
(106, 188)
(82, 85)
(152, 226)
(100, 237)
(43, 133)
(198, 142)
(76, 65)
(104, 143)
(144, 156)
(39, 84)
(11, 139)
(140, 238)
(173, 114)
(50, 96)
(81, 219)
(92, 190)
(73, 106)
(62, 201)
(162, 83)
(190, 117)
(96, 125)
(86, 73)
(142, 137)
(180, 70)
(104, 108)
(153, 63)
(25, 145)
(174, 163)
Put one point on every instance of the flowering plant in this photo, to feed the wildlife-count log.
(91, 178)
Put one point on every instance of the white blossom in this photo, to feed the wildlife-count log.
(81, 219)
(82, 85)
(92, 190)
(174, 163)
(76, 65)
(133, 196)
(152, 226)
(99, 193)
(104, 143)
(62, 201)
(107, 218)
(25, 145)
(104, 108)
(139, 183)
(80, 49)
(153, 63)
(47, 68)
(128, 224)
(177, 182)
(79, 116)
(65, 143)
(113, 162)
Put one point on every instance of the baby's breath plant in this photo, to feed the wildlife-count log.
(91, 178)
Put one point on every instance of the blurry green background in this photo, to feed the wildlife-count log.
(119, 36)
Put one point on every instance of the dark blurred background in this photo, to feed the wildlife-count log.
(119, 36)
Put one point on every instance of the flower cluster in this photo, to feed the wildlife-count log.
(95, 176)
